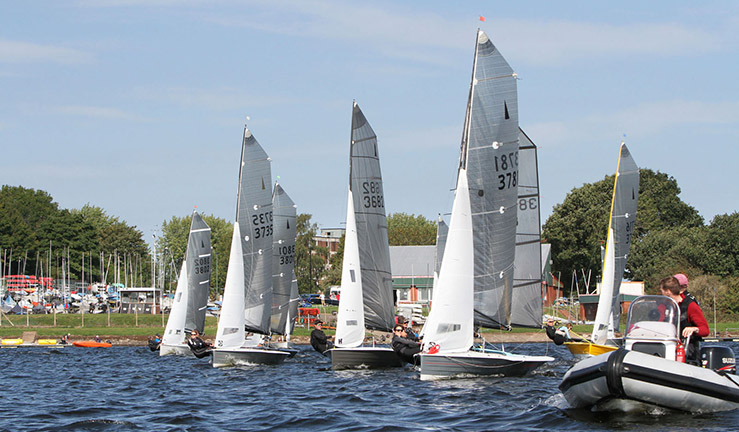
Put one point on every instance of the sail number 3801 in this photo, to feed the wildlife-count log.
(202, 265)
(372, 195)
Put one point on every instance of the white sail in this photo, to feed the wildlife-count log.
(450, 322)
(230, 332)
(174, 333)
(350, 317)
(620, 228)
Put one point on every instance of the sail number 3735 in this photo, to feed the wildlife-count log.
(262, 224)
(372, 195)
(507, 166)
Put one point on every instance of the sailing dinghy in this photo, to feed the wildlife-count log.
(645, 374)
(191, 295)
(475, 282)
(620, 229)
(366, 280)
(247, 296)
(285, 295)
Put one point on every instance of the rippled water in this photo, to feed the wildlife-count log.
(131, 388)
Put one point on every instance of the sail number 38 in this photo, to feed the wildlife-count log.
(372, 195)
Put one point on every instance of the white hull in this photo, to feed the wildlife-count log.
(626, 380)
(182, 349)
(247, 356)
(475, 364)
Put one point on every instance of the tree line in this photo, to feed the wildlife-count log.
(38, 237)
(669, 237)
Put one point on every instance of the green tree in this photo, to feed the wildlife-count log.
(172, 245)
(577, 227)
(410, 230)
(310, 260)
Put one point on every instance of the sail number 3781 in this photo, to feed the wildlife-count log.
(508, 163)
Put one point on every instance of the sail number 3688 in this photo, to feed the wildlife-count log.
(372, 195)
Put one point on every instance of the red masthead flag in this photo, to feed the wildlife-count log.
(482, 18)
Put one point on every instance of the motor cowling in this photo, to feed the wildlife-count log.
(718, 358)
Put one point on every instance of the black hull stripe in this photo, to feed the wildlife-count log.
(615, 370)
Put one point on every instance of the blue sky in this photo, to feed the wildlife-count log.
(137, 106)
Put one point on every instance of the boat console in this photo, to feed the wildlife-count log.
(652, 326)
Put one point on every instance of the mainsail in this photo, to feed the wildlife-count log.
(198, 272)
(367, 195)
(283, 261)
(526, 306)
(490, 158)
(620, 229)
(193, 285)
(247, 297)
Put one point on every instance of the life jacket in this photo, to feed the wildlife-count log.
(691, 351)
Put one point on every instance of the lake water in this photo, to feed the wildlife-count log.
(131, 388)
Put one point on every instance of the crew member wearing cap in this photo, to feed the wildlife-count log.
(684, 287)
(693, 323)
(318, 339)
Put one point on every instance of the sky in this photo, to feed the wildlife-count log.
(138, 106)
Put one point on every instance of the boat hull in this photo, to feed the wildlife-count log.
(583, 350)
(12, 342)
(182, 349)
(471, 363)
(92, 344)
(624, 379)
(364, 358)
(247, 356)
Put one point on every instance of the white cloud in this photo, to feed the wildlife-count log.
(26, 52)
(222, 98)
(559, 42)
(428, 36)
(98, 112)
(646, 119)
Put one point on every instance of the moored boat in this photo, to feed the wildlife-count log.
(92, 344)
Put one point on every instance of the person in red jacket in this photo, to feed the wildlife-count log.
(693, 324)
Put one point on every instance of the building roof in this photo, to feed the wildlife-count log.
(417, 261)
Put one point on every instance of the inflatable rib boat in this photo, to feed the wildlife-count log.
(645, 373)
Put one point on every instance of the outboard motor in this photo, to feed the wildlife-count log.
(719, 358)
